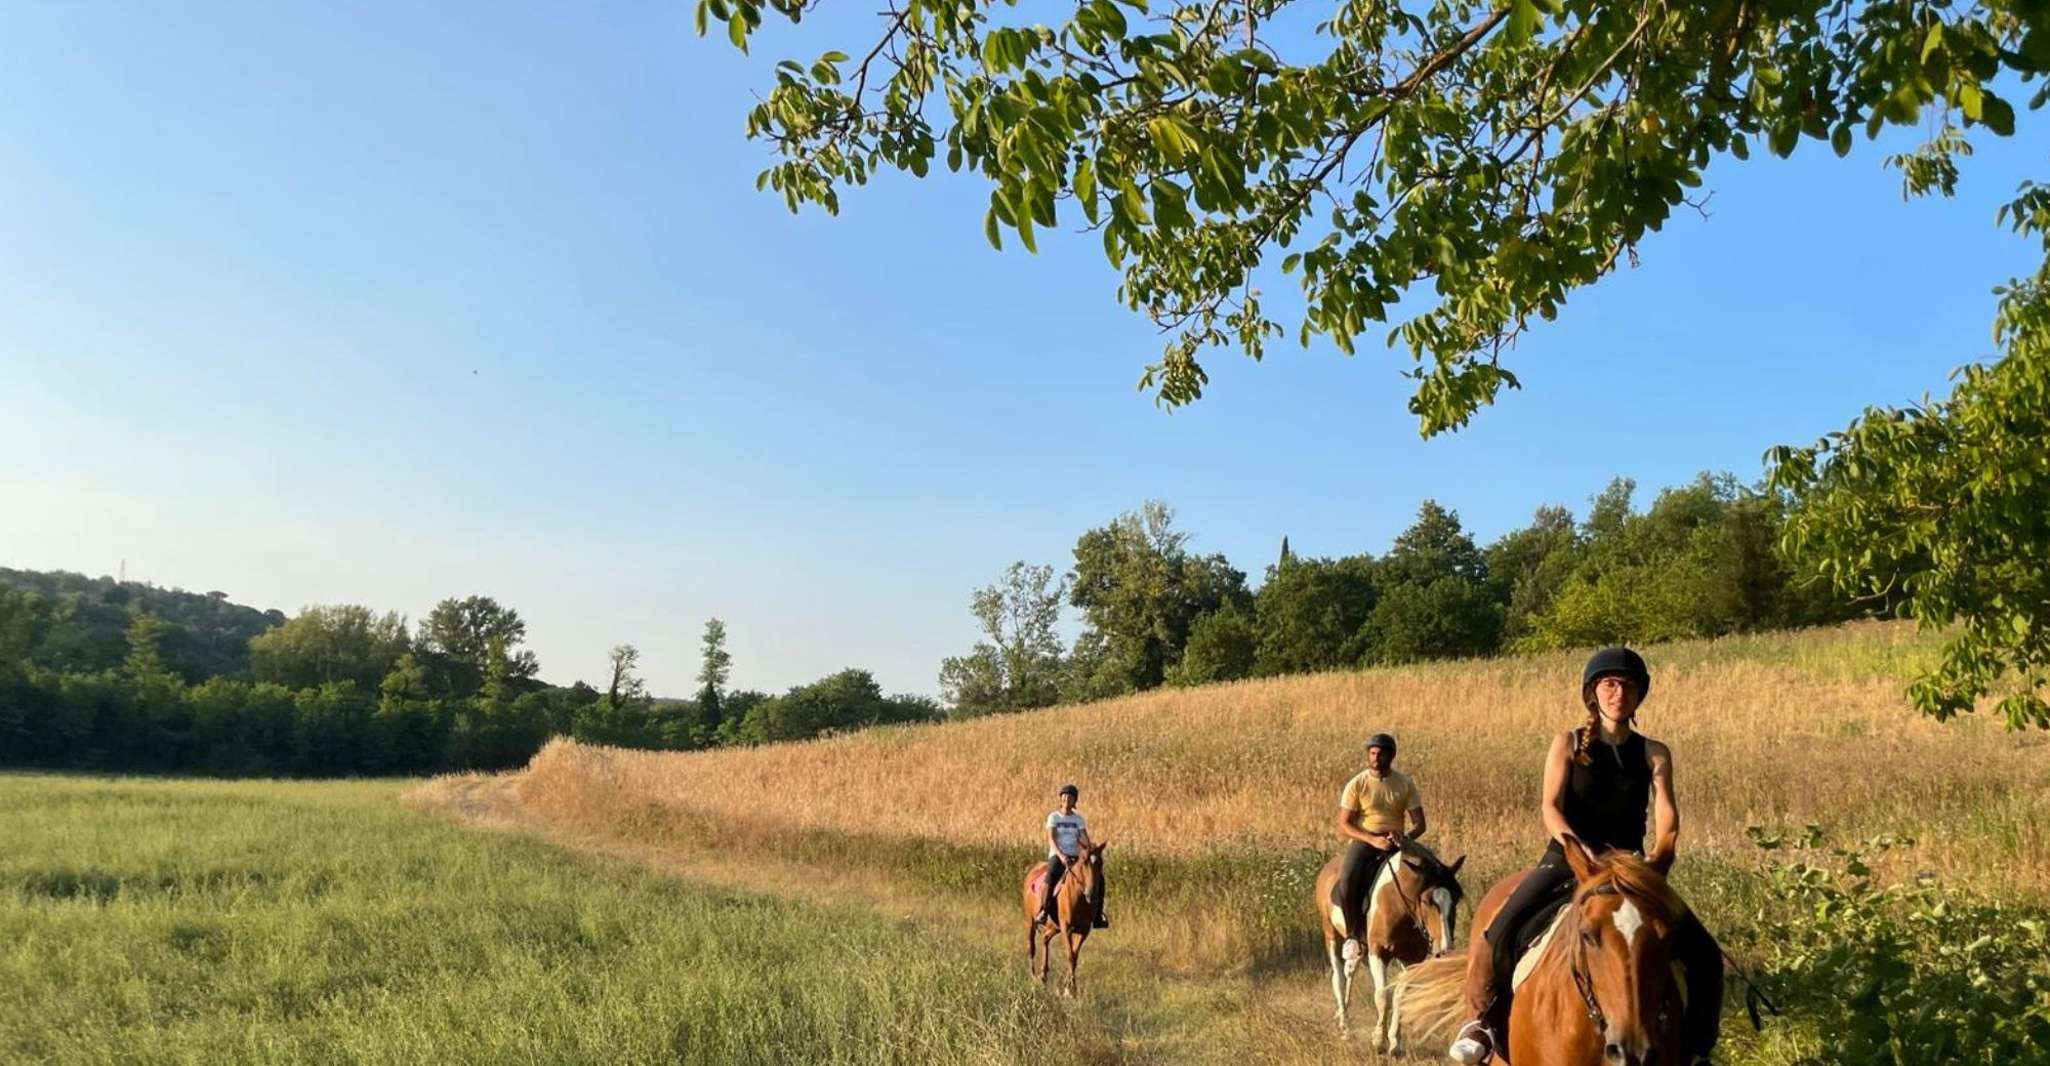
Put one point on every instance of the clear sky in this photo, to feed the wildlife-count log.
(386, 303)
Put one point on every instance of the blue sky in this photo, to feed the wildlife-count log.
(395, 302)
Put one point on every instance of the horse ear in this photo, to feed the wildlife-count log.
(1576, 857)
(1456, 864)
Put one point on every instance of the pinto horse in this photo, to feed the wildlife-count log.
(1600, 991)
(1078, 900)
(1409, 915)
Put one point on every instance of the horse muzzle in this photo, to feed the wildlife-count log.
(1617, 1055)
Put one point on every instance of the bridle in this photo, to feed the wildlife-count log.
(1582, 980)
(1414, 905)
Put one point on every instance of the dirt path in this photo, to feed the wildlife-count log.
(1156, 1013)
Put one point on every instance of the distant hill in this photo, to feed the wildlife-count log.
(86, 627)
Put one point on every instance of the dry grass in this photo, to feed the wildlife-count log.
(1780, 729)
(1218, 803)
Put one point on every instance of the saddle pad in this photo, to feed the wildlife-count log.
(1527, 962)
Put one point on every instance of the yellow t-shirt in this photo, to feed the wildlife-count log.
(1383, 802)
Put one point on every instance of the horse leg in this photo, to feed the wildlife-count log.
(1377, 968)
(1338, 984)
(1387, 1001)
(1031, 944)
(1046, 951)
(1070, 987)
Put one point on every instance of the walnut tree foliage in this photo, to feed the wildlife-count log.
(1452, 170)
(1490, 158)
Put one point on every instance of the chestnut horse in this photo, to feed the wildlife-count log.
(1078, 900)
(1601, 991)
(1410, 914)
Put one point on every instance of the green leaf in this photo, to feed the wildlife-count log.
(2035, 48)
(1933, 41)
(992, 231)
(1783, 138)
(736, 31)
(1840, 141)
(1113, 19)
(1085, 188)
(698, 18)
(1999, 116)
(1168, 139)
(1135, 204)
(833, 57)
(1288, 263)
(1523, 20)
(1971, 101)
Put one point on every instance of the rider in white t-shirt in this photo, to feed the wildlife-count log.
(1067, 833)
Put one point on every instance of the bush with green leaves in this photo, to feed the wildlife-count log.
(1904, 973)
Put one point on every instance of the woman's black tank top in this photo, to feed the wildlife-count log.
(1607, 799)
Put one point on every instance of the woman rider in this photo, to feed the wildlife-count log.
(1599, 781)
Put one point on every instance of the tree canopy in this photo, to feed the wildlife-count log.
(1458, 168)
(1488, 158)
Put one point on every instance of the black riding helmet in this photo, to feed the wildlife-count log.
(1615, 661)
(1069, 790)
(1384, 741)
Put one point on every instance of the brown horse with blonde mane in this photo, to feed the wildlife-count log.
(1077, 901)
(1603, 988)
(1409, 915)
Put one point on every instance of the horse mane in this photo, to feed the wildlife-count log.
(1621, 872)
(1420, 849)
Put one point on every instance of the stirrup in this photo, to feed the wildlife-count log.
(1473, 1046)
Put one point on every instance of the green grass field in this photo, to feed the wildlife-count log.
(264, 922)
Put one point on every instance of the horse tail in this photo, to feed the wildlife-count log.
(1432, 997)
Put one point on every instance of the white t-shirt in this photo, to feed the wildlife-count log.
(1067, 832)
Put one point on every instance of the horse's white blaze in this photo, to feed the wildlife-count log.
(1443, 896)
(1628, 922)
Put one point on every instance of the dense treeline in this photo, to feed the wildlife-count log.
(92, 675)
(101, 674)
(86, 621)
(1700, 561)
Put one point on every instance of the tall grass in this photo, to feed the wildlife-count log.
(259, 922)
(1219, 802)
(1778, 729)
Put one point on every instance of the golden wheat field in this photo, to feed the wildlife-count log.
(1776, 730)
(1218, 804)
